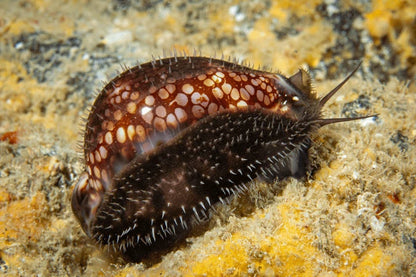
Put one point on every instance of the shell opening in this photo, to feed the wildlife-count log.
(85, 202)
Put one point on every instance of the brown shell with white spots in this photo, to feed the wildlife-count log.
(164, 97)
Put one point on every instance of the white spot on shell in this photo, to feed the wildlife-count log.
(121, 135)
(149, 100)
(212, 108)
(187, 88)
(226, 88)
(171, 121)
(250, 89)
(104, 177)
(234, 94)
(125, 95)
(181, 115)
(147, 114)
(163, 93)
(201, 99)
(103, 152)
(216, 79)
(131, 132)
(97, 156)
(171, 88)
(266, 100)
(134, 96)
(92, 158)
(260, 95)
(237, 78)
(181, 99)
(110, 125)
(217, 93)
(198, 111)
(220, 74)
(242, 104)
(97, 172)
(141, 132)
(160, 111)
(118, 115)
(152, 89)
(202, 77)
(209, 82)
(159, 124)
(244, 94)
(131, 107)
(254, 82)
(97, 185)
(108, 138)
